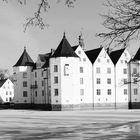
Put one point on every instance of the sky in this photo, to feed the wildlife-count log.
(84, 17)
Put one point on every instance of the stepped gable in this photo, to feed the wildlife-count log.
(115, 55)
(93, 54)
(64, 49)
(137, 55)
(24, 60)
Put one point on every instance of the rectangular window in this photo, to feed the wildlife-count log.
(66, 69)
(81, 92)
(109, 91)
(125, 81)
(6, 92)
(98, 70)
(24, 83)
(56, 92)
(42, 73)
(134, 70)
(55, 68)
(135, 91)
(108, 70)
(24, 74)
(109, 81)
(81, 70)
(98, 81)
(25, 94)
(125, 91)
(108, 61)
(125, 71)
(35, 93)
(99, 60)
(98, 92)
(42, 92)
(42, 83)
(55, 79)
(35, 74)
(81, 81)
(35, 83)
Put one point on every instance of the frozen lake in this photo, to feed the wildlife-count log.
(72, 125)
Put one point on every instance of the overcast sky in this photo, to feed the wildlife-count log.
(83, 17)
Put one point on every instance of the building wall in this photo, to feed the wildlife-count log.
(18, 84)
(7, 91)
(121, 76)
(102, 98)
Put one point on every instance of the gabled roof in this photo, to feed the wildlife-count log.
(137, 55)
(75, 47)
(2, 82)
(24, 60)
(115, 55)
(64, 49)
(93, 54)
(46, 65)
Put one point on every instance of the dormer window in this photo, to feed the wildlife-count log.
(66, 69)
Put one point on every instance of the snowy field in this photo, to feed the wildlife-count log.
(70, 125)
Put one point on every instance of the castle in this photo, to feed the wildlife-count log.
(70, 78)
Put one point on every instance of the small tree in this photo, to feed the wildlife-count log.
(122, 22)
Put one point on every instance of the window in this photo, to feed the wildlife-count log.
(10, 92)
(109, 91)
(79, 52)
(6, 92)
(42, 73)
(109, 81)
(108, 70)
(55, 92)
(134, 70)
(125, 91)
(121, 61)
(42, 83)
(125, 71)
(55, 79)
(84, 59)
(7, 99)
(24, 74)
(98, 81)
(125, 81)
(135, 80)
(98, 92)
(25, 94)
(135, 91)
(98, 70)
(66, 70)
(35, 83)
(55, 68)
(24, 83)
(81, 70)
(81, 81)
(108, 61)
(35, 93)
(42, 92)
(35, 74)
(81, 92)
(99, 60)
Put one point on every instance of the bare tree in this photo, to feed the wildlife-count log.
(122, 22)
(43, 6)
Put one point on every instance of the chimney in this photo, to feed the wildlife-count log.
(81, 42)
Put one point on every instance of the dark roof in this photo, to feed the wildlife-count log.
(115, 55)
(93, 54)
(137, 55)
(75, 47)
(24, 60)
(64, 49)
(43, 57)
(2, 82)
(46, 65)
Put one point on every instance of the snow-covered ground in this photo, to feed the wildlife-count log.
(70, 125)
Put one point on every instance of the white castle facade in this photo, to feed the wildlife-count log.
(71, 78)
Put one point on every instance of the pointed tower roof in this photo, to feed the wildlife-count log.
(115, 55)
(64, 49)
(24, 60)
(137, 55)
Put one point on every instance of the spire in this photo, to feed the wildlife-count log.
(24, 60)
(81, 41)
(64, 49)
(64, 35)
